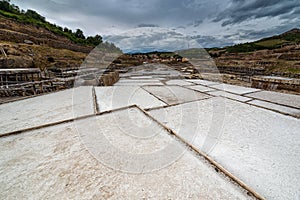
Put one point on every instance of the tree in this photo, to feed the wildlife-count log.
(35, 15)
(16, 9)
(59, 28)
(79, 34)
(96, 40)
(66, 30)
(5, 5)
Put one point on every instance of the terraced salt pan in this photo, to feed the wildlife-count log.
(200, 88)
(175, 94)
(258, 146)
(229, 95)
(53, 163)
(137, 82)
(109, 98)
(178, 82)
(203, 82)
(46, 109)
(141, 77)
(276, 107)
(276, 97)
(234, 89)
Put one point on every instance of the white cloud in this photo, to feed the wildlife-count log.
(150, 39)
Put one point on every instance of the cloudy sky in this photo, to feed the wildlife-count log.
(171, 24)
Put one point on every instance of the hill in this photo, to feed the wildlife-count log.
(277, 55)
(33, 18)
(28, 41)
(291, 37)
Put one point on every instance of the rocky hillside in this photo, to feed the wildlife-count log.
(27, 40)
(21, 55)
(27, 46)
(13, 31)
(278, 55)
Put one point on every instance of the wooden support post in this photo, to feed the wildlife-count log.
(33, 88)
(6, 80)
(41, 87)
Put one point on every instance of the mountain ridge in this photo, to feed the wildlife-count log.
(289, 37)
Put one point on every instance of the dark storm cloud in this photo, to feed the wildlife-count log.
(208, 20)
(292, 15)
(130, 12)
(210, 41)
(241, 10)
(147, 25)
(257, 34)
(150, 39)
(197, 22)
